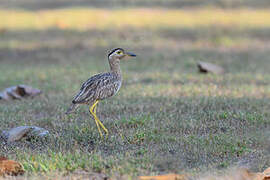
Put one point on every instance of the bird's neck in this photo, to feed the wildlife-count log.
(115, 67)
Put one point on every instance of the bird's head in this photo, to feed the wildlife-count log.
(119, 53)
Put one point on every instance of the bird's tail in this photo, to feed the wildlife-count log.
(71, 108)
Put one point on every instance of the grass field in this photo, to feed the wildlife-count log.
(167, 117)
(85, 18)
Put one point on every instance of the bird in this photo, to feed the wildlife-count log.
(101, 86)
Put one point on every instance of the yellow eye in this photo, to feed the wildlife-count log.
(119, 52)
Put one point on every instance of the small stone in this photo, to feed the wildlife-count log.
(205, 67)
(38, 132)
(17, 133)
(19, 92)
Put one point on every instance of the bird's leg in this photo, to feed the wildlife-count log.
(103, 127)
(95, 109)
(91, 108)
(100, 123)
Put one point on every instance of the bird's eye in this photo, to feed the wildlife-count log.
(119, 52)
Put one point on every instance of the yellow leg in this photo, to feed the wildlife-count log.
(100, 123)
(103, 127)
(94, 108)
(91, 108)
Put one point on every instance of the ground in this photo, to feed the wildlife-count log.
(167, 117)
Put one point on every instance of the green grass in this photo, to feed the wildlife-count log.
(166, 118)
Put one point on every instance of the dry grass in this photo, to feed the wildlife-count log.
(52, 4)
(83, 19)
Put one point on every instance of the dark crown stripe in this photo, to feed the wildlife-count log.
(114, 51)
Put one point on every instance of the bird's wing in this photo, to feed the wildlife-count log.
(92, 88)
(107, 87)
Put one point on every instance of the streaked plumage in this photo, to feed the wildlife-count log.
(98, 87)
(103, 85)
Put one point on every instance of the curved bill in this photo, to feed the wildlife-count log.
(131, 54)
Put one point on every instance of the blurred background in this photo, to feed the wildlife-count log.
(166, 110)
(223, 31)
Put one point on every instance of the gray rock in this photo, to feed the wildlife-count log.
(205, 67)
(19, 92)
(30, 132)
(38, 132)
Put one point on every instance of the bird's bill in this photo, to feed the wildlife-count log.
(130, 54)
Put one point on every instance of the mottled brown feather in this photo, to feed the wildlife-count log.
(98, 87)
